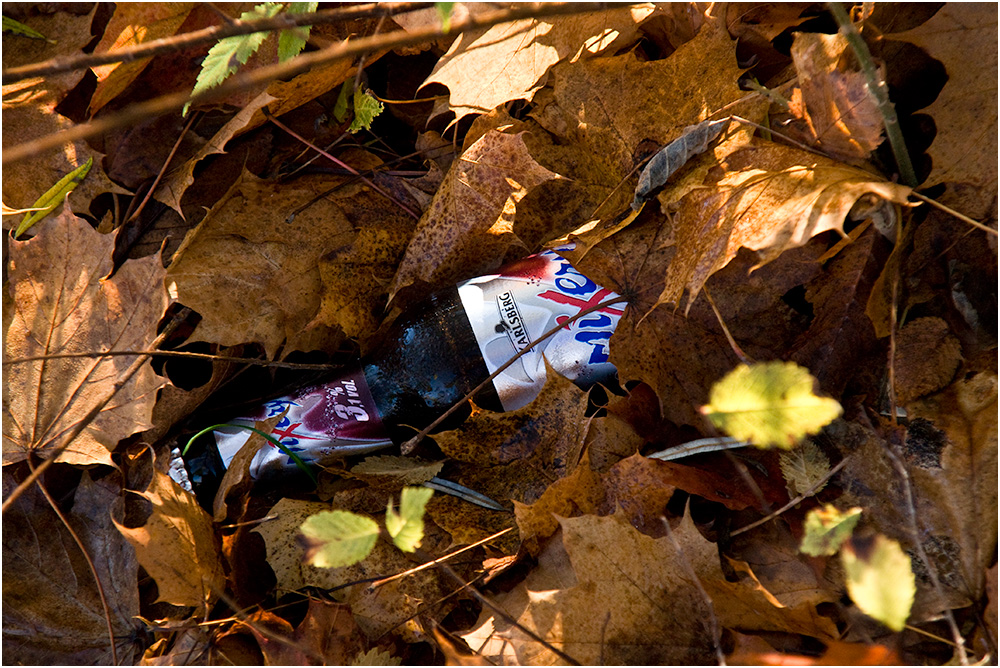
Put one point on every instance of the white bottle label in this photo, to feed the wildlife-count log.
(508, 311)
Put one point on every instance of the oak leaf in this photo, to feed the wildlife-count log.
(63, 304)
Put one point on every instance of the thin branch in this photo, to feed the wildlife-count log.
(428, 564)
(85, 421)
(159, 175)
(208, 36)
(178, 353)
(961, 216)
(90, 564)
(879, 90)
(794, 502)
(341, 50)
(409, 445)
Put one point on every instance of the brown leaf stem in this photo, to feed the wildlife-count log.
(413, 442)
(337, 161)
(340, 50)
(133, 214)
(93, 413)
(961, 216)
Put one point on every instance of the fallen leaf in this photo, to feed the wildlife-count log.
(803, 468)
(132, 24)
(509, 61)
(336, 538)
(879, 579)
(63, 304)
(52, 610)
(960, 35)
(406, 527)
(840, 114)
(268, 287)
(826, 529)
(927, 357)
(29, 112)
(769, 199)
(326, 636)
(393, 471)
(754, 651)
(470, 222)
(175, 543)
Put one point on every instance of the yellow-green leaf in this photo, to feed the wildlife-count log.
(879, 579)
(769, 404)
(407, 526)
(54, 196)
(376, 656)
(335, 538)
(366, 108)
(292, 41)
(803, 468)
(826, 529)
(18, 28)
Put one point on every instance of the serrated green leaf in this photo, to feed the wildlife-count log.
(879, 579)
(292, 41)
(803, 468)
(366, 108)
(229, 53)
(769, 404)
(54, 196)
(18, 28)
(376, 657)
(407, 526)
(335, 538)
(826, 529)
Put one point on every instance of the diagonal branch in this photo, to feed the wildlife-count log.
(340, 50)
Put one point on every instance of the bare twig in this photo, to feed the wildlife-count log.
(159, 175)
(743, 357)
(961, 216)
(879, 90)
(794, 502)
(90, 564)
(181, 354)
(209, 36)
(434, 562)
(341, 50)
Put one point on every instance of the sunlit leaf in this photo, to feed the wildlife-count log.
(376, 656)
(18, 28)
(444, 10)
(826, 529)
(407, 526)
(336, 538)
(54, 196)
(224, 58)
(395, 470)
(769, 404)
(292, 41)
(879, 579)
(366, 109)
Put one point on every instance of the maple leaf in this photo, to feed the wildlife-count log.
(63, 304)
(470, 222)
(488, 68)
(175, 544)
(52, 609)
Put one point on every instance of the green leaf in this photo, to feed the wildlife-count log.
(335, 538)
(769, 404)
(18, 28)
(826, 529)
(366, 108)
(444, 13)
(292, 41)
(54, 196)
(407, 527)
(879, 579)
(229, 53)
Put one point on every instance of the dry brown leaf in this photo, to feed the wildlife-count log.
(62, 304)
(132, 24)
(927, 357)
(485, 69)
(326, 636)
(29, 112)
(470, 222)
(175, 543)
(769, 198)
(52, 611)
(392, 472)
(253, 275)
(839, 112)
(963, 36)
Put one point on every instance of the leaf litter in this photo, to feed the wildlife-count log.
(772, 251)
